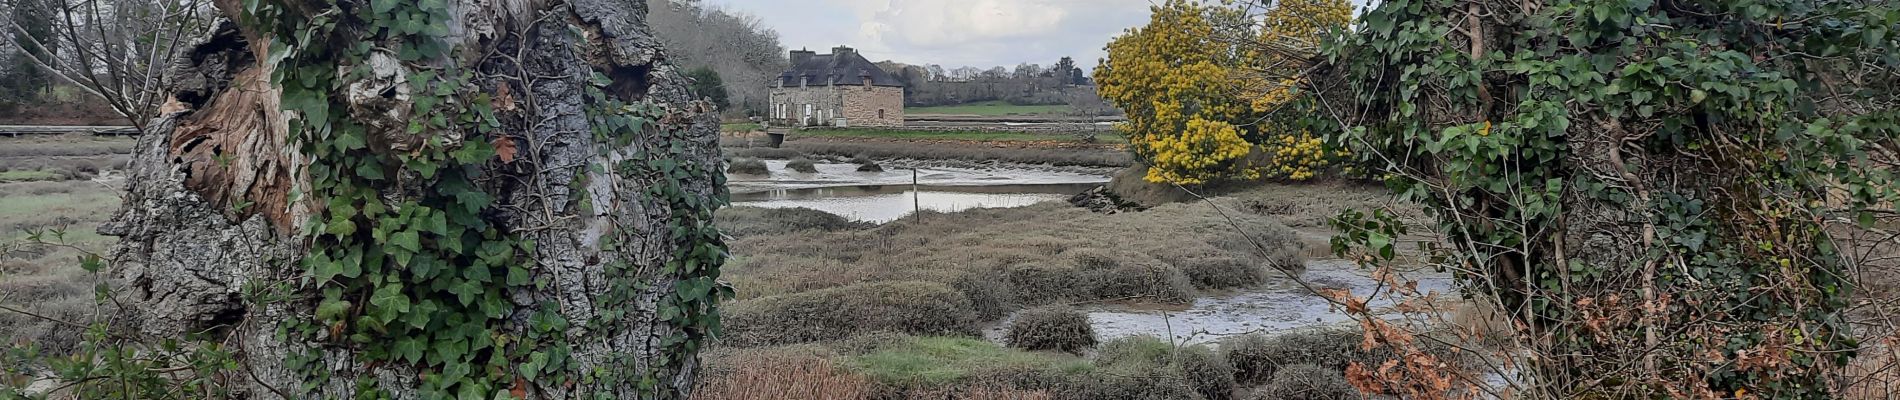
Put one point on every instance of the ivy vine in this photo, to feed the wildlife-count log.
(1714, 129)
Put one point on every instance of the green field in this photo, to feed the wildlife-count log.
(28, 176)
(981, 136)
(989, 109)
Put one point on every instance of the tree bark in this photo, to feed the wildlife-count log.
(215, 216)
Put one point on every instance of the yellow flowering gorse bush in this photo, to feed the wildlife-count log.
(1196, 100)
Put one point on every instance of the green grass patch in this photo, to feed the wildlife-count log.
(935, 361)
(29, 176)
(88, 202)
(980, 136)
(990, 108)
(742, 127)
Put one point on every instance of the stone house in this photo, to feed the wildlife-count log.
(840, 89)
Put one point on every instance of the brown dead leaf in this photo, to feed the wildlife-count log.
(505, 149)
(504, 101)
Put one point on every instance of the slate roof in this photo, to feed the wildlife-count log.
(848, 68)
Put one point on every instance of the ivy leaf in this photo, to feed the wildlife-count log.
(421, 313)
(407, 239)
(390, 300)
(332, 309)
(409, 349)
(472, 391)
(532, 368)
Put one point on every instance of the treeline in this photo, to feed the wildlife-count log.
(1026, 84)
(731, 54)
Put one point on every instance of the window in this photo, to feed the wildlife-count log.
(880, 113)
(808, 109)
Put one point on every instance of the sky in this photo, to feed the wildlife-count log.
(951, 33)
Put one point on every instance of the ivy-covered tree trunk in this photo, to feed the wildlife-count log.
(411, 199)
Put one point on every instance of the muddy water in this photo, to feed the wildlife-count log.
(885, 196)
(1277, 306)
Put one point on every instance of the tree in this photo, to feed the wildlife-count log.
(739, 46)
(1066, 70)
(116, 50)
(1662, 213)
(1170, 77)
(1177, 78)
(24, 79)
(391, 200)
(706, 84)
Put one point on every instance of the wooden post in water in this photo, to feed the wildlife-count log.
(916, 204)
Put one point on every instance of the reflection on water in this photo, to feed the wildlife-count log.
(885, 203)
(1277, 306)
(886, 196)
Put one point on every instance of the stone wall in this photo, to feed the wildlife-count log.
(823, 101)
(879, 106)
(857, 104)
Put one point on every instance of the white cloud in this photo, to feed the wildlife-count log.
(952, 33)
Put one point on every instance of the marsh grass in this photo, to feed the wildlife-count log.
(1051, 328)
(749, 166)
(802, 164)
(998, 260)
(43, 279)
(1307, 382)
(914, 307)
(65, 145)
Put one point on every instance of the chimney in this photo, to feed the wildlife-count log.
(801, 56)
(840, 51)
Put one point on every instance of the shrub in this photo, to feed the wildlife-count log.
(1041, 284)
(1051, 328)
(802, 164)
(744, 221)
(1210, 374)
(837, 313)
(1220, 272)
(1136, 382)
(989, 297)
(1307, 382)
(930, 362)
(1154, 282)
(1256, 357)
(749, 166)
(870, 167)
(1145, 367)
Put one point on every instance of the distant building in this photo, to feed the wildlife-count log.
(839, 89)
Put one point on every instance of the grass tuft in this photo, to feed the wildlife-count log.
(830, 314)
(1051, 328)
(748, 166)
(1307, 382)
(802, 164)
